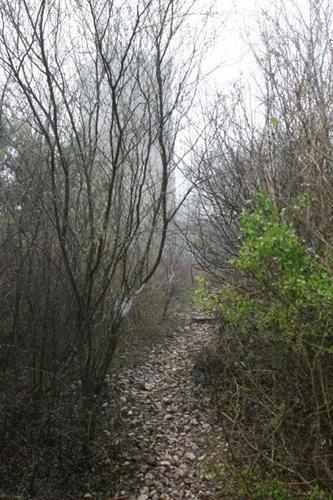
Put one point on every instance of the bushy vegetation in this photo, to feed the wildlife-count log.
(276, 344)
(98, 116)
(92, 97)
(262, 236)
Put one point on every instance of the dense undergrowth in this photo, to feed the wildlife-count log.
(41, 452)
(273, 369)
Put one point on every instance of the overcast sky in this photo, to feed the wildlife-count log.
(236, 21)
(232, 50)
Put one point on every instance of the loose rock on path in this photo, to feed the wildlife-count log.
(172, 431)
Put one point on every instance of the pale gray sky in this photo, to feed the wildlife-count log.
(232, 49)
(237, 26)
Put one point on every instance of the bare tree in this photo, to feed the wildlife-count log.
(99, 90)
(283, 144)
(296, 63)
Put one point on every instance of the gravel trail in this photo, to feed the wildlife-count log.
(172, 431)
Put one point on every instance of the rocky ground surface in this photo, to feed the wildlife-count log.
(172, 432)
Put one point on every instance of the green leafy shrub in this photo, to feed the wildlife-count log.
(298, 297)
(277, 343)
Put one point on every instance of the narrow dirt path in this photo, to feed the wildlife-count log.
(171, 428)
